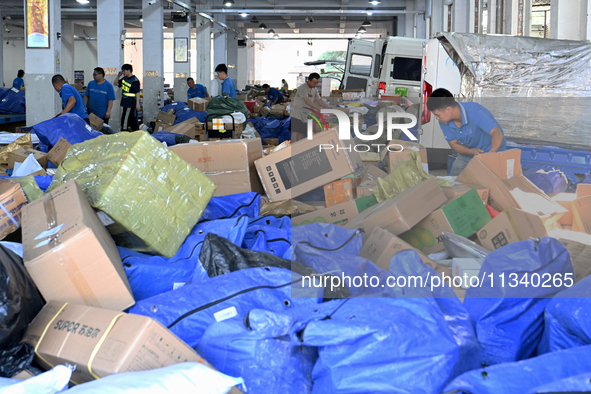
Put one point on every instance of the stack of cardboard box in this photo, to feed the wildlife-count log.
(164, 120)
(198, 104)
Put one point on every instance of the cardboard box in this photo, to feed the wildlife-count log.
(580, 256)
(57, 154)
(189, 127)
(372, 173)
(366, 188)
(165, 118)
(337, 214)
(340, 191)
(271, 141)
(95, 122)
(242, 96)
(382, 245)
(264, 111)
(198, 104)
(501, 173)
(583, 190)
(566, 201)
(401, 213)
(582, 215)
(386, 103)
(303, 166)
(256, 108)
(228, 163)
(13, 199)
(101, 342)
(511, 225)
(160, 126)
(69, 253)
(457, 190)
(395, 159)
(346, 95)
(20, 154)
(464, 216)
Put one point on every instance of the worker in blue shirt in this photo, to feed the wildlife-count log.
(71, 99)
(468, 127)
(196, 90)
(100, 95)
(19, 82)
(228, 86)
(273, 95)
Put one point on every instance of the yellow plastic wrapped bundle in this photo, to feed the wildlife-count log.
(152, 197)
(408, 174)
(22, 141)
(29, 186)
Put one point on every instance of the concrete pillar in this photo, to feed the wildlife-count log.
(40, 66)
(250, 62)
(402, 25)
(242, 67)
(110, 49)
(232, 57)
(569, 19)
(436, 17)
(219, 41)
(461, 16)
(182, 70)
(203, 73)
(68, 50)
(153, 51)
(588, 17)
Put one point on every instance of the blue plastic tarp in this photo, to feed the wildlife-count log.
(524, 376)
(268, 234)
(12, 101)
(550, 182)
(177, 105)
(509, 320)
(69, 126)
(233, 205)
(187, 113)
(165, 136)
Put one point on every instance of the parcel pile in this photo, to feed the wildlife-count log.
(207, 267)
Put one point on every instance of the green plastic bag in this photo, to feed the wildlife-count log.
(408, 174)
(220, 106)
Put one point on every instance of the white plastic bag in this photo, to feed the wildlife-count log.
(29, 166)
(50, 382)
(249, 131)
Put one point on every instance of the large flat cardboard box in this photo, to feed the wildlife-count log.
(95, 122)
(501, 173)
(381, 246)
(464, 216)
(57, 154)
(101, 342)
(20, 154)
(583, 190)
(582, 215)
(397, 157)
(227, 163)
(69, 253)
(511, 225)
(165, 118)
(13, 199)
(372, 173)
(337, 214)
(306, 165)
(459, 189)
(401, 213)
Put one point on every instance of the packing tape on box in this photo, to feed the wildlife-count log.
(43, 335)
(9, 215)
(78, 281)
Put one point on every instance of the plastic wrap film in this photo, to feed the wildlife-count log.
(538, 89)
(24, 141)
(286, 208)
(153, 196)
(460, 247)
(29, 186)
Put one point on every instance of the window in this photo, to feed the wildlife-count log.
(376, 69)
(407, 69)
(310, 54)
(298, 53)
(361, 65)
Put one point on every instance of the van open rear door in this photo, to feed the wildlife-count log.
(362, 70)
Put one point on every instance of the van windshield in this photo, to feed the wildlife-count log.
(406, 68)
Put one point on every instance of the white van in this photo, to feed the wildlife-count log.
(380, 67)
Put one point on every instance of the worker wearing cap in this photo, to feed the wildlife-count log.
(130, 98)
(468, 127)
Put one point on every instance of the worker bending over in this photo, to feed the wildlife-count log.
(273, 95)
(196, 90)
(71, 99)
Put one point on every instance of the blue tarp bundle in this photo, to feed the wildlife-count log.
(69, 126)
(272, 128)
(550, 182)
(12, 101)
(509, 320)
(170, 138)
(568, 318)
(269, 234)
(177, 105)
(187, 113)
(528, 375)
(234, 205)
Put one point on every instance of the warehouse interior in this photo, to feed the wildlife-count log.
(303, 197)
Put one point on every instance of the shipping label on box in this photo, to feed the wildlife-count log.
(511, 225)
(57, 154)
(101, 342)
(337, 214)
(463, 216)
(381, 246)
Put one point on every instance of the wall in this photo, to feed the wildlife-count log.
(14, 59)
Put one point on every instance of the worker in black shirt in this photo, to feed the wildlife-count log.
(130, 98)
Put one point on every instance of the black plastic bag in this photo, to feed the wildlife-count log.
(20, 302)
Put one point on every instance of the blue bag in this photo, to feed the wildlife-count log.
(550, 182)
(285, 133)
(176, 106)
(187, 113)
(189, 310)
(509, 321)
(269, 234)
(234, 205)
(271, 129)
(259, 350)
(69, 126)
(567, 319)
(570, 385)
(152, 275)
(12, 101)
(523, 376)
(170, 138)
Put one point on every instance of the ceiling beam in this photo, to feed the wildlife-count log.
(342, 25)
(291, 25)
